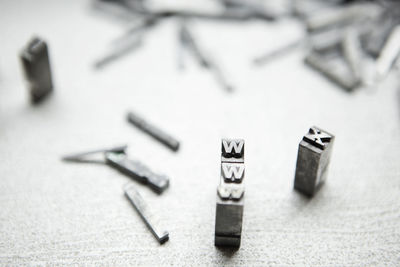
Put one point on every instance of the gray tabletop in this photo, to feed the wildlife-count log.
(57, 213)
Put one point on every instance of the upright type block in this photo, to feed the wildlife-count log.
(36, 65)
(229, 210)
(313, 160)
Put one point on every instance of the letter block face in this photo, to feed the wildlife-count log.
(313, 160)
(230, 194)
(232, 150)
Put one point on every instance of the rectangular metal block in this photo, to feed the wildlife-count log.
(232, 150)
(150, 219)
(313, 160)
(36, 65)
(137, 171)
(153, 131)
(227, 241)
(230, 194)
(228, 222)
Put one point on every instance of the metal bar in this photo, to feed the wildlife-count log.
(78, 157)
(137, 171)
(153, 131)
(148, 217)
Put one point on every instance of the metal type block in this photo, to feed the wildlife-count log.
(153, 131)
(232, 172)
(313, 160)
(230, 194)
(148, 217)
(232, 150)
(138, 171)
(36, 65)
(228, 222)
(86, 157)
(389, 53)
(334, 70)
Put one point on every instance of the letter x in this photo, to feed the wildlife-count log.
(317, 137)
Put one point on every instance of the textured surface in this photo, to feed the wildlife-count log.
(57, 213)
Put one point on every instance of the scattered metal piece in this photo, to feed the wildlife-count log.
(153, 131)
(313, 160)
(284, 50)
(123, 49)
(137, 171)
(148, 217)
(36, 65)
(83, 156)
(389, 53)
(333, 71)
(379, 33)
(230, 194)
(352, 52)
(204, 61)
(336, 17)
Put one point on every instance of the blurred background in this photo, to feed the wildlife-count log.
(264, 71)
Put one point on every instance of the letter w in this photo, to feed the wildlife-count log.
(237, 147)
(233, 172)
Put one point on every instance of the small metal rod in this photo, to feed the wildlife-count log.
(153, 131)
(79, 157)
(352, 52)
(389, 53)
(148, 217)
(119, 52)
(281, 51)
(203, 60)
(348, 83)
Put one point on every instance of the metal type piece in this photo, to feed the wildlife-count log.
(232, 150)
(313, 160)
(345, 79)
(352, 52)
(379, 34)
(82, 156)
(123, 49)
(343, 16)
(137, 171)
(230, 194)
(232, 172)
(153, 131)
(148, 217)
(389, 53)
(206, 62)
(270, 55)
(36, 65)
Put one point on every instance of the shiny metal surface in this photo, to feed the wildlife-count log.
(53, 213)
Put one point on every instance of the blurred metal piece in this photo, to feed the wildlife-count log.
(137, 171)
(153, 131)
(150, 219)
(351, 48)
(332, 68)
(389, 53)
(313, 160)
(284, 50)
(83, 156)
(340, 16)
(379, 34)
(230, 200)
(205, 61)
(122, 49)
(36, 66)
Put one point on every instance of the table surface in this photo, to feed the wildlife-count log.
(58, 213)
